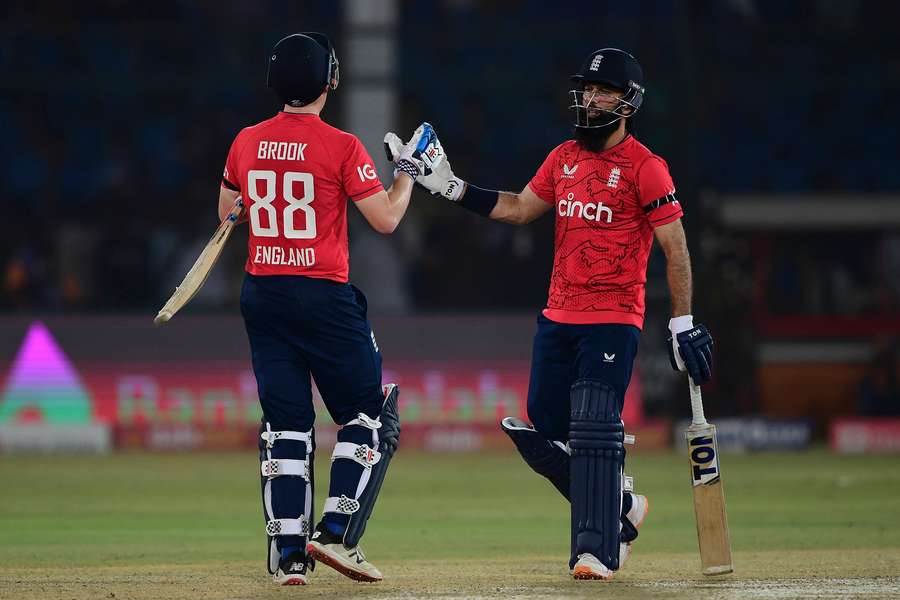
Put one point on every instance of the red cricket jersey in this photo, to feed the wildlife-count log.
(607, 204)
(295, 173)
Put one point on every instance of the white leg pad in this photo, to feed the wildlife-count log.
(276, 467)
(360, 453)
(366, 421)
(343, 505)
(272, 468)
(270, 437)
(288, 526)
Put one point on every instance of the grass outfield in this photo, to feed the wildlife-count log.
(190, 526)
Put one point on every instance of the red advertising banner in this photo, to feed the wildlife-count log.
(193, 403)
(857, 436)
(223, 394)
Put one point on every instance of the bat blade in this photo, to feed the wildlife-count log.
(201, 268)
(709, 500)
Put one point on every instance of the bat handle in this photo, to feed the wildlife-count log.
(696, 403)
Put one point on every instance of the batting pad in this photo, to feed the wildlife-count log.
(545, 457)
(389, 439)
(596, 438)
(287, 488)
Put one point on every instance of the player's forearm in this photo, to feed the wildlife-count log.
(678, 273)
(398, 200)
(507, 209)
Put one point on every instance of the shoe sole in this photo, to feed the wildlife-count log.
(316, 551)
(588, 573)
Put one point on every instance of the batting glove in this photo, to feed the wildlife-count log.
(409, 155)
(690, 348)
(437, 176)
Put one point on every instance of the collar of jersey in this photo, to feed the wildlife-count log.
(290, 115)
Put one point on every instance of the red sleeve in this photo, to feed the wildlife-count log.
(230, 177)
(358, 172)
(656, 192)
(543, 184)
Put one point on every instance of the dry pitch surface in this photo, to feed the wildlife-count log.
(188, 526)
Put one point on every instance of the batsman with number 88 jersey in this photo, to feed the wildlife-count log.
(610, 196)
(303, 318)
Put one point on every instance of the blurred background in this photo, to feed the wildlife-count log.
(777, 120)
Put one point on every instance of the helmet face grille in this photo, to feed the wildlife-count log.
(588, 115)
(611, 67)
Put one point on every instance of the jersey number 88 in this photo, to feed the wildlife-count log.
(264, 202)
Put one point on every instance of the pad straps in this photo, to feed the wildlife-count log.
(276, 527)
(270, 437)
(360, 453)
(276, 467)
(343, 505)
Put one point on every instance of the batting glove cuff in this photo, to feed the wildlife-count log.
(682, 323)
(408, 167)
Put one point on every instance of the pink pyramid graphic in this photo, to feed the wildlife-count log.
(42, 385)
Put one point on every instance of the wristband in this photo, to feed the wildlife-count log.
(479, 201)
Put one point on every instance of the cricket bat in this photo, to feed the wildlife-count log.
(709, 495)
(198, 273)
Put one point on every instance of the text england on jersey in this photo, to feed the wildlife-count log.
(275, 255)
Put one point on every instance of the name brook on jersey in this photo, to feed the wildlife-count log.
(280, 150)
(276, 255)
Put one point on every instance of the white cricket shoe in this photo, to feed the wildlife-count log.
(589, 567)
(329, 549)
(640, 506)
(292, 571)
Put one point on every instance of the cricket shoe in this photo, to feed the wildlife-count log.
(590, 567)
(329, 549)
(635, 516)
(292, 570)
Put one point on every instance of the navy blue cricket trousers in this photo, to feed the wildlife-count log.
(301, 326)
(562, 354)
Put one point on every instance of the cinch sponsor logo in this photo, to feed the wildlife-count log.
(592, 211)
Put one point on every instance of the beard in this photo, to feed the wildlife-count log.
(594, 139)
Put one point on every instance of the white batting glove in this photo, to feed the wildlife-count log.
(408, 157)
(436, 176)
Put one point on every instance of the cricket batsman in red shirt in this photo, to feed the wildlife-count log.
(610, 196)
(295, 174)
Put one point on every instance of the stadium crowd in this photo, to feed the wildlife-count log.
(116, 128)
